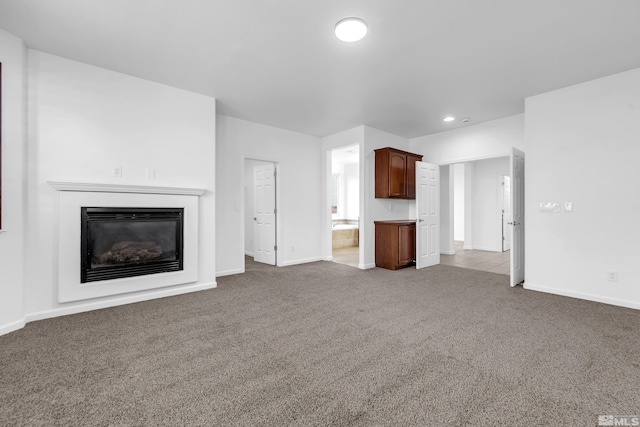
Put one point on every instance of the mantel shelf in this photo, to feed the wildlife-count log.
(122, 188)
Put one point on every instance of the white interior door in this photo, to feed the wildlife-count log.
(264, 219)
(428, 213)
(506, 213)
(517, 211)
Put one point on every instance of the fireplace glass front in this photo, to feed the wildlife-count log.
(127, 242)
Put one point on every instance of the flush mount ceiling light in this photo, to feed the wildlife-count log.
(449, 119)
(351, 29)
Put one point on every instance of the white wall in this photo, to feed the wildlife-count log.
(338, 169)
(377, 209)
(12, 236)
(446, 210)
(583, 147)
(348, 190)
(487, 203)
(83, 120)
(249, 213)
(351, 191)
(299, 187)
(458, 201)
(469, 178)
(480, 141)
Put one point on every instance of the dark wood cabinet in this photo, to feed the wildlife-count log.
(395, 174)
(395, 244)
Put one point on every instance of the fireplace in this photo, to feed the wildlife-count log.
(167, 274)
(128, 242)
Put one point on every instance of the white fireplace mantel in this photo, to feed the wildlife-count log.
(72, 196)
(123, 188)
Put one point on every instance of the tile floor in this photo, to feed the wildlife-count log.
(348, 256)
(494, 262)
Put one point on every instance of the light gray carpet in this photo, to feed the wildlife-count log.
(327, 344)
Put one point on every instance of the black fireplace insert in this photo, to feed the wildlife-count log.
(128, 242)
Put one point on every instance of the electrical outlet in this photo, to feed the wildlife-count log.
(293, 248)
(612, 276)
(151, 173)
(117, 171)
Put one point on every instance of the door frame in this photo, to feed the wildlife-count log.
(327, 233)
(509, 155)
(278, 204)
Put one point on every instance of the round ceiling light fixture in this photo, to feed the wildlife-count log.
(449, 119)
(350, 29)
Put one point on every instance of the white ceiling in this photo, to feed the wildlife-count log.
(277, 62)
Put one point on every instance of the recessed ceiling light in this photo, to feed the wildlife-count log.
(351, 29)
(449, 119)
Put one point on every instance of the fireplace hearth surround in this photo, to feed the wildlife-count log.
(128, 242)
(142, 249)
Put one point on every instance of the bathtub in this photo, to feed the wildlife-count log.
(344, 236)
(344, 227)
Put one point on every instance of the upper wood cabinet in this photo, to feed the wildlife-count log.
(395, 173)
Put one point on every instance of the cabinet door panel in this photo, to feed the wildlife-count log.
(407, 244)
(397, 174)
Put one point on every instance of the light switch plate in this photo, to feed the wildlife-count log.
(550, 207)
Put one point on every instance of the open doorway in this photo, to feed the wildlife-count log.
(260, 220)
(345, 205)
(480, 215)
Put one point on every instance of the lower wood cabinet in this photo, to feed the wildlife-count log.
(395, 244)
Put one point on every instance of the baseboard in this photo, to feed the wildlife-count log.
(300, 261)
(366, 266)
(13, 326)
(448, 252)
(247, 253)
(89, 306)
(581, 295)
(229, 272)
(484, 248)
